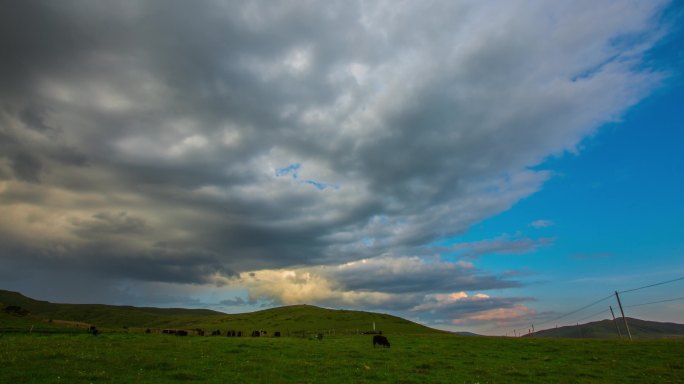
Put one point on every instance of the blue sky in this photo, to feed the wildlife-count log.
(469, 165)
(613, 209)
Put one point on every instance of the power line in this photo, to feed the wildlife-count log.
(577, 310)
(654, 302)
(653, 285)
(590, 316)
(610, 296)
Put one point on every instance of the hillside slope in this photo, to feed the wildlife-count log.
(296, 319)
(307, 318)
(606, 329)
(108, 315)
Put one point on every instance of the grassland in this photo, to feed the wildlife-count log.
(428, 358)
(49, 344)
(296, 319)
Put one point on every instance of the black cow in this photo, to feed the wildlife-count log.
(181, 333)
(380, 340)
(93, 330)
(256, 333)
(276, 334)
(216, 332)
(148, 330)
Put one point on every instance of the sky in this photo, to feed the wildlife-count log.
(484, 166)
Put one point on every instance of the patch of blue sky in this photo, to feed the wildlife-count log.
(590, 72)
(293, 171)
(321, 186)
(290, 170)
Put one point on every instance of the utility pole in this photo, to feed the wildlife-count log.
(615, 321)
(623, 316)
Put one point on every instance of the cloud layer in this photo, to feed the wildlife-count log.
(194, 143)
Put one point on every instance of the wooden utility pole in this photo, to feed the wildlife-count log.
(615, 321)
(623, 316)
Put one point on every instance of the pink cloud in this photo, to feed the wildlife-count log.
(503, 316)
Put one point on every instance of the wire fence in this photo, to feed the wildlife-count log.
(611, 307)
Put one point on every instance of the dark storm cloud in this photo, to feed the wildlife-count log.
(411, 274)
(120, 223)
(148, 139)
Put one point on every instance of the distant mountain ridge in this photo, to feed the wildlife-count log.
(295, 318)
(608, 329)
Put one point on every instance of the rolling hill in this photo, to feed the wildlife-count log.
(606, 329)
(296, 319)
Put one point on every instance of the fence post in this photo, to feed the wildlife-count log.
(623, 316)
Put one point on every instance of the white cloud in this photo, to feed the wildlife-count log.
(542, 223)
(385, 282)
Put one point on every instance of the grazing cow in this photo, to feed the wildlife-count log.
(181, 333)
(93, 330)
(148, 330)
(276, 334)
(381, 340)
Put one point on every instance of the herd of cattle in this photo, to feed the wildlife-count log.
(202, 332)
(377, 339)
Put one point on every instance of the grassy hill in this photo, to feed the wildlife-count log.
(307, 318)
(297, 319)
(108, 315)
(606, 329)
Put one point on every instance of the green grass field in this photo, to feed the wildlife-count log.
(49, 344)
(428, 358)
